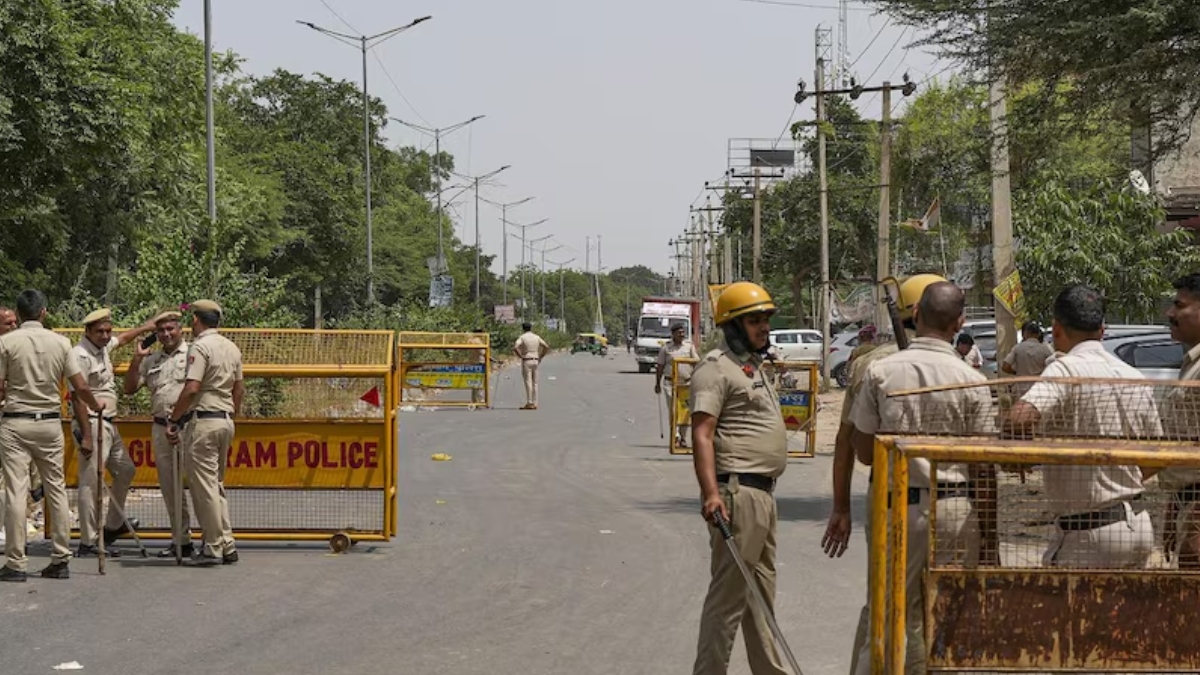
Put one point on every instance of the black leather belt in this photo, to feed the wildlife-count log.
(162, 421)
(1099, 518)
(754, 480)
(944, 491)
(39, 416)
(204, 415)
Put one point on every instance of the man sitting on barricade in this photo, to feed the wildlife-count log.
(1101, 520)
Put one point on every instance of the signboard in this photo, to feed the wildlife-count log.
(441, 291)
(445, 375)
(1011, 297)
(667, 309)
(552, 324)
(270, 454)
(795, 406)
(505, 314)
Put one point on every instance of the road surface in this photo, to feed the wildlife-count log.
(562, 540)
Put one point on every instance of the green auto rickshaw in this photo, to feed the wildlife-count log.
(593, 343)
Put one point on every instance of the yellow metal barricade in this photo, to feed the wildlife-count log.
(680, 410)
(1061, 551)
(314, 452)
(436, 369)
(796, 385)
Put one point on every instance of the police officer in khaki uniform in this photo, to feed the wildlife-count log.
(202, 419)
(33, 360)
(1101, 517)
(1181, 420)
(164, 372)
(531, 349)
(92, 353)
(1028, 358)
(677, 348)
(965, 494)
(740, 448)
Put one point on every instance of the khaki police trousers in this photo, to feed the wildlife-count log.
(118, 464)
(529, 371)
(1126, 544)
(165, 456)
(40, 442)
(729, 604)
(206, 447)
(957, 542)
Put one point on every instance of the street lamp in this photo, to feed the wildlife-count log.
(545, 250)
(436, 171)
(562, 287)
(476, 180)
(525, 273)
(365, 42)
(522, 238)
(504, 236)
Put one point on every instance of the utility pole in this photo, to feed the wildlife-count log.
(364, 43)
(504, 237)
(855, 91)
(824, 200)
(1003, 264)
(884, 254)
(478, 244)
(562, 294)
(210, 148)
(542, 306)
(757, 236)
(599, 300)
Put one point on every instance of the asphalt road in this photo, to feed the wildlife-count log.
(562, 540)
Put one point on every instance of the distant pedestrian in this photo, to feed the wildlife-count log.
(1027, 359)
(965, 345)
(531, 349)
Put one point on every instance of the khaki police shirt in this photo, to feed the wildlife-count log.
(216, 363)
(750, 435)
(858, 367)
(928, 362)
(1028, 358)
(97, 369)
(671, 351)
(164, 374)
(33, 360)
(530, 346)
(1092, 410)
(1180, 410)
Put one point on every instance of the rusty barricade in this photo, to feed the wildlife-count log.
(796, 385)
(445, 369)
(314, 453)
(1059, 532)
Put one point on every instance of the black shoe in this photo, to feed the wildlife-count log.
(56, 570)
(9, 574)
(205, 560)
(112, 535)
(229, 558)
(36, 495)
(169, 552)
(85, 550)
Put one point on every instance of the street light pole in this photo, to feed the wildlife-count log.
(545, 250)
(478, 246)
(435, 167)
(562, 294)
(210, 142)
(504, 238)
(364, 43)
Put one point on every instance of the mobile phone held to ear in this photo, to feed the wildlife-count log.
(149, 341)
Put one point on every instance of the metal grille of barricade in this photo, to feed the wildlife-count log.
(445, 369)
(1053, 523)
(681, 403)
(314, 450)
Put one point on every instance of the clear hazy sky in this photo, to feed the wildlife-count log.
(612, 113)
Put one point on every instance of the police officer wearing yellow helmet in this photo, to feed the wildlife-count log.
(740, 449)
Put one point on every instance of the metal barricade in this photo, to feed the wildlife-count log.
(1059, 534)
(437, 368)
(314, 452)
(679, 412)
(794, 382)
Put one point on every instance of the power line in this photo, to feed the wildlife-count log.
(885, 56)
(879, 32)
(806, 5)
(339, 18)
(786, 126)
(397, 88)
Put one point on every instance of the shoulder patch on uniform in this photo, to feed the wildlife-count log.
(713, 355)
(191, 359)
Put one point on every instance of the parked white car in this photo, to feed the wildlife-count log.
(839, 355)
(797, 344)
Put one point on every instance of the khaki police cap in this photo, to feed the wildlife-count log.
(169, 315)
(104, 314)
(205, 306)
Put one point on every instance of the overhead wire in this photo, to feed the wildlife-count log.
(869, 44)
(807, 5)
(398, 92)
(786, 126)
(340, 18)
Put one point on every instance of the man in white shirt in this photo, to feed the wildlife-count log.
(531, 349)
(677, 348)
(1100, 516)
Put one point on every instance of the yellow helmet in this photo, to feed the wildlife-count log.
(741, 298)
(911, 290)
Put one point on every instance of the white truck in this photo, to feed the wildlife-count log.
(657, 317)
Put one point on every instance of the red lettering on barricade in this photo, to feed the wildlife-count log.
(312, 454)
(325, 461)
(371, 455)
(140, 453)
(264, 455)
(295, 452)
